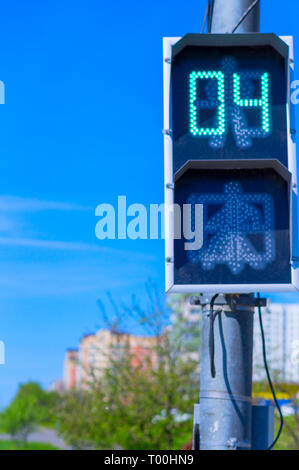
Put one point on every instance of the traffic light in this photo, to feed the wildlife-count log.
(230, 158)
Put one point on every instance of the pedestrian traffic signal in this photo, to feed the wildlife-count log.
(230, 151)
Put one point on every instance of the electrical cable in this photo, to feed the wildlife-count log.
(210, 15)
(268, 375)
(205, 18)
(245, 14)
(211, 335)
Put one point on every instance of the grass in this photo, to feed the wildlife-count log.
(286, 441)
(15, 445)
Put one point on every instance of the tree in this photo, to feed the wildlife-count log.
(143, 406)
(30, 407)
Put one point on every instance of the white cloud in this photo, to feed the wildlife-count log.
(72, 276)
(15, 215)
(8, 224)
(20, 204)
(80, 247)
(48, 244)
(42, 266)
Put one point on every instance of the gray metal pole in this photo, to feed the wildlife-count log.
(227, 13)
(225, 401)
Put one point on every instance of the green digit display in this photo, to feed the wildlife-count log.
(262, 102)
(195, 128)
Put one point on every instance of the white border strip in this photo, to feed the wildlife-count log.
(168, 168)
(292, 157)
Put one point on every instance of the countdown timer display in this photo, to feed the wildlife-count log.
(229, 103)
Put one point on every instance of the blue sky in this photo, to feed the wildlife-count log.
(81, 125)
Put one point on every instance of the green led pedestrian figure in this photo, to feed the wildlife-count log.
(227, 232)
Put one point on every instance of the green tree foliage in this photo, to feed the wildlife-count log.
(289, 438)
(31, 406)
(144, 406)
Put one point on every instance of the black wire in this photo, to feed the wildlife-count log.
(211, 336)
(268, 376)
(245, 14)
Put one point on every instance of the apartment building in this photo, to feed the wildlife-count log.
(85, 365)
(186, 321)
(70, 369)
(281, 325)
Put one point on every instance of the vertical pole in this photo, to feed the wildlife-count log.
(227, 13)
(225, 400)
